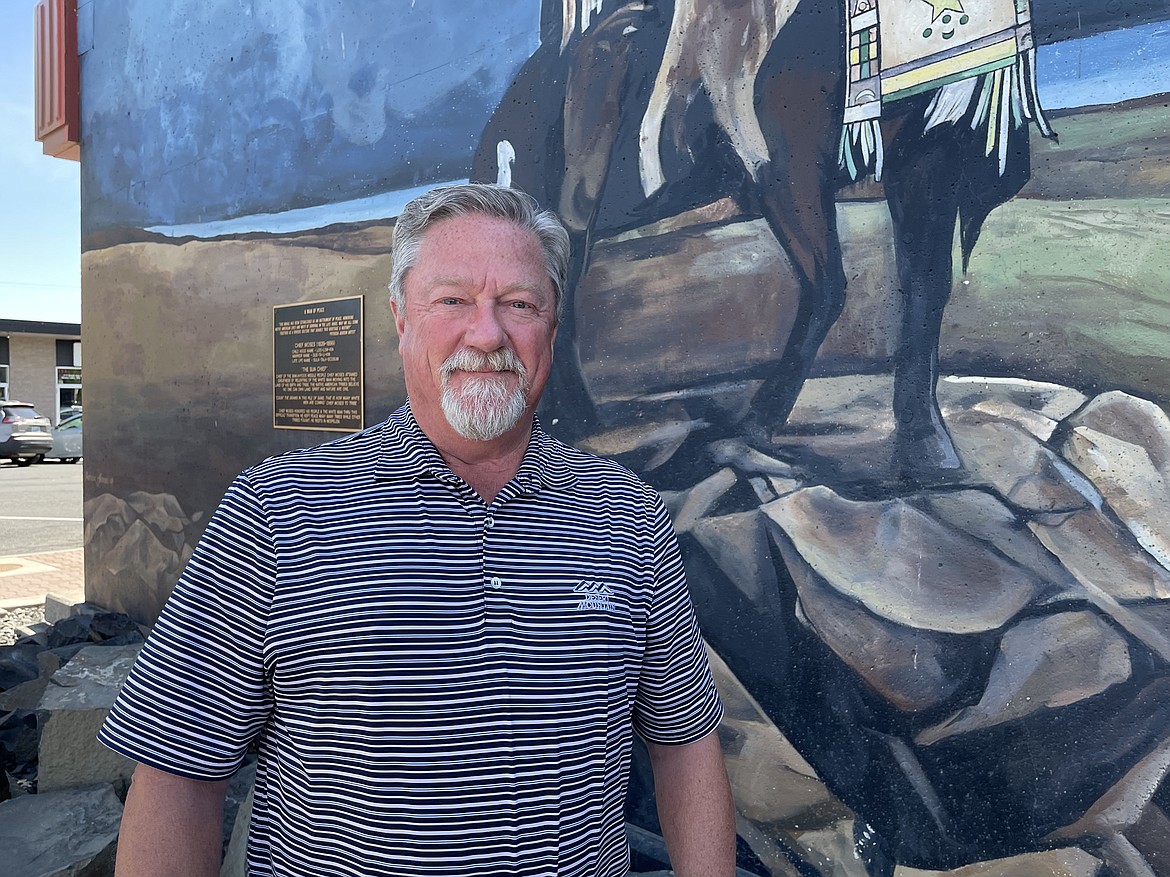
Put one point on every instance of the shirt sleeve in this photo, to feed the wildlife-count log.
(198, 694)
(677, 701)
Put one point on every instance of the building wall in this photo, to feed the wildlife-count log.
(937, 603)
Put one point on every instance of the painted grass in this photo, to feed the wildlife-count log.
(1077, 291)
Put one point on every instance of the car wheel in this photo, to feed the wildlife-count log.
(39, 458)
(23, 461)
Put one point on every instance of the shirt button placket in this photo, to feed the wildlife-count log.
(496, 599)
(493, 582)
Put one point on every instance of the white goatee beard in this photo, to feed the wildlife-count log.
(484, 408)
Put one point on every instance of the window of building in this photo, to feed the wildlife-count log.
(68, 377)
(68, 352)
(4, 367)
(68, 390)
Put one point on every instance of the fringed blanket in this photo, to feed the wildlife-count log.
(977, 54)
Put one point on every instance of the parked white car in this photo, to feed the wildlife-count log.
(25, 433)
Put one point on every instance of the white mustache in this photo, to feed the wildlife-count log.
(468, 360)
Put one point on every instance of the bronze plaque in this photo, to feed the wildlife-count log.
(317, 373)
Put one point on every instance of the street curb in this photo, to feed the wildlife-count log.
(21, 603)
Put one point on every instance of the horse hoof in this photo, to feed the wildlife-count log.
(756, 431)
(928, 460)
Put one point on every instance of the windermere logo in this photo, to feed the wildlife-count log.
(596, 596)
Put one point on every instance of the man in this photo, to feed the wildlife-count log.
(441, 632)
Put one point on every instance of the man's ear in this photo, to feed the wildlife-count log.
(399, 319)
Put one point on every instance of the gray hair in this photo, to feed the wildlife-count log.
(484, 199)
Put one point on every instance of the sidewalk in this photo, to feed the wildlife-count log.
(26, 579)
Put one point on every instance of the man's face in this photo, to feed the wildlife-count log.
(477, 330)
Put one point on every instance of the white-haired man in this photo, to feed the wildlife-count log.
(443, 632)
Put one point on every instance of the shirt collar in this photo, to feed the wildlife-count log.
(407, 454)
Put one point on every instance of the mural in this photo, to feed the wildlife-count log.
(874, 292)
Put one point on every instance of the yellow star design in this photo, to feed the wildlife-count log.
(941, 6)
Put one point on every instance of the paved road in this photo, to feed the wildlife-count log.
(40, 508)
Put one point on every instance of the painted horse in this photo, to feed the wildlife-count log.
(628, 113)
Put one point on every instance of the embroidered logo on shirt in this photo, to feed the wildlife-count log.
(597, 596)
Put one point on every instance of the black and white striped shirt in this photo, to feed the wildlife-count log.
(437, 687)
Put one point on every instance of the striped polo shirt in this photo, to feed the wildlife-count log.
(436, 686)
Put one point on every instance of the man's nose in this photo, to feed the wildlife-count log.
(485, 332)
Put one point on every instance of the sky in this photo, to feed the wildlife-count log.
(1105, 68)
(40, 196)
(40, 243)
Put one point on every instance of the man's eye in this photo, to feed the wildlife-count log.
(523, 305)
(449, 301)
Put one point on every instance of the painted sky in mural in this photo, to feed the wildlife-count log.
(340, 107)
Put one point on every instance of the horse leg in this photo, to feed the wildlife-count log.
(921, 184)
(596, 113)
(799, 99)
(796, 198)
(809, 236)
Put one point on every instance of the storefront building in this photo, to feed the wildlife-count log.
(40, 363)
